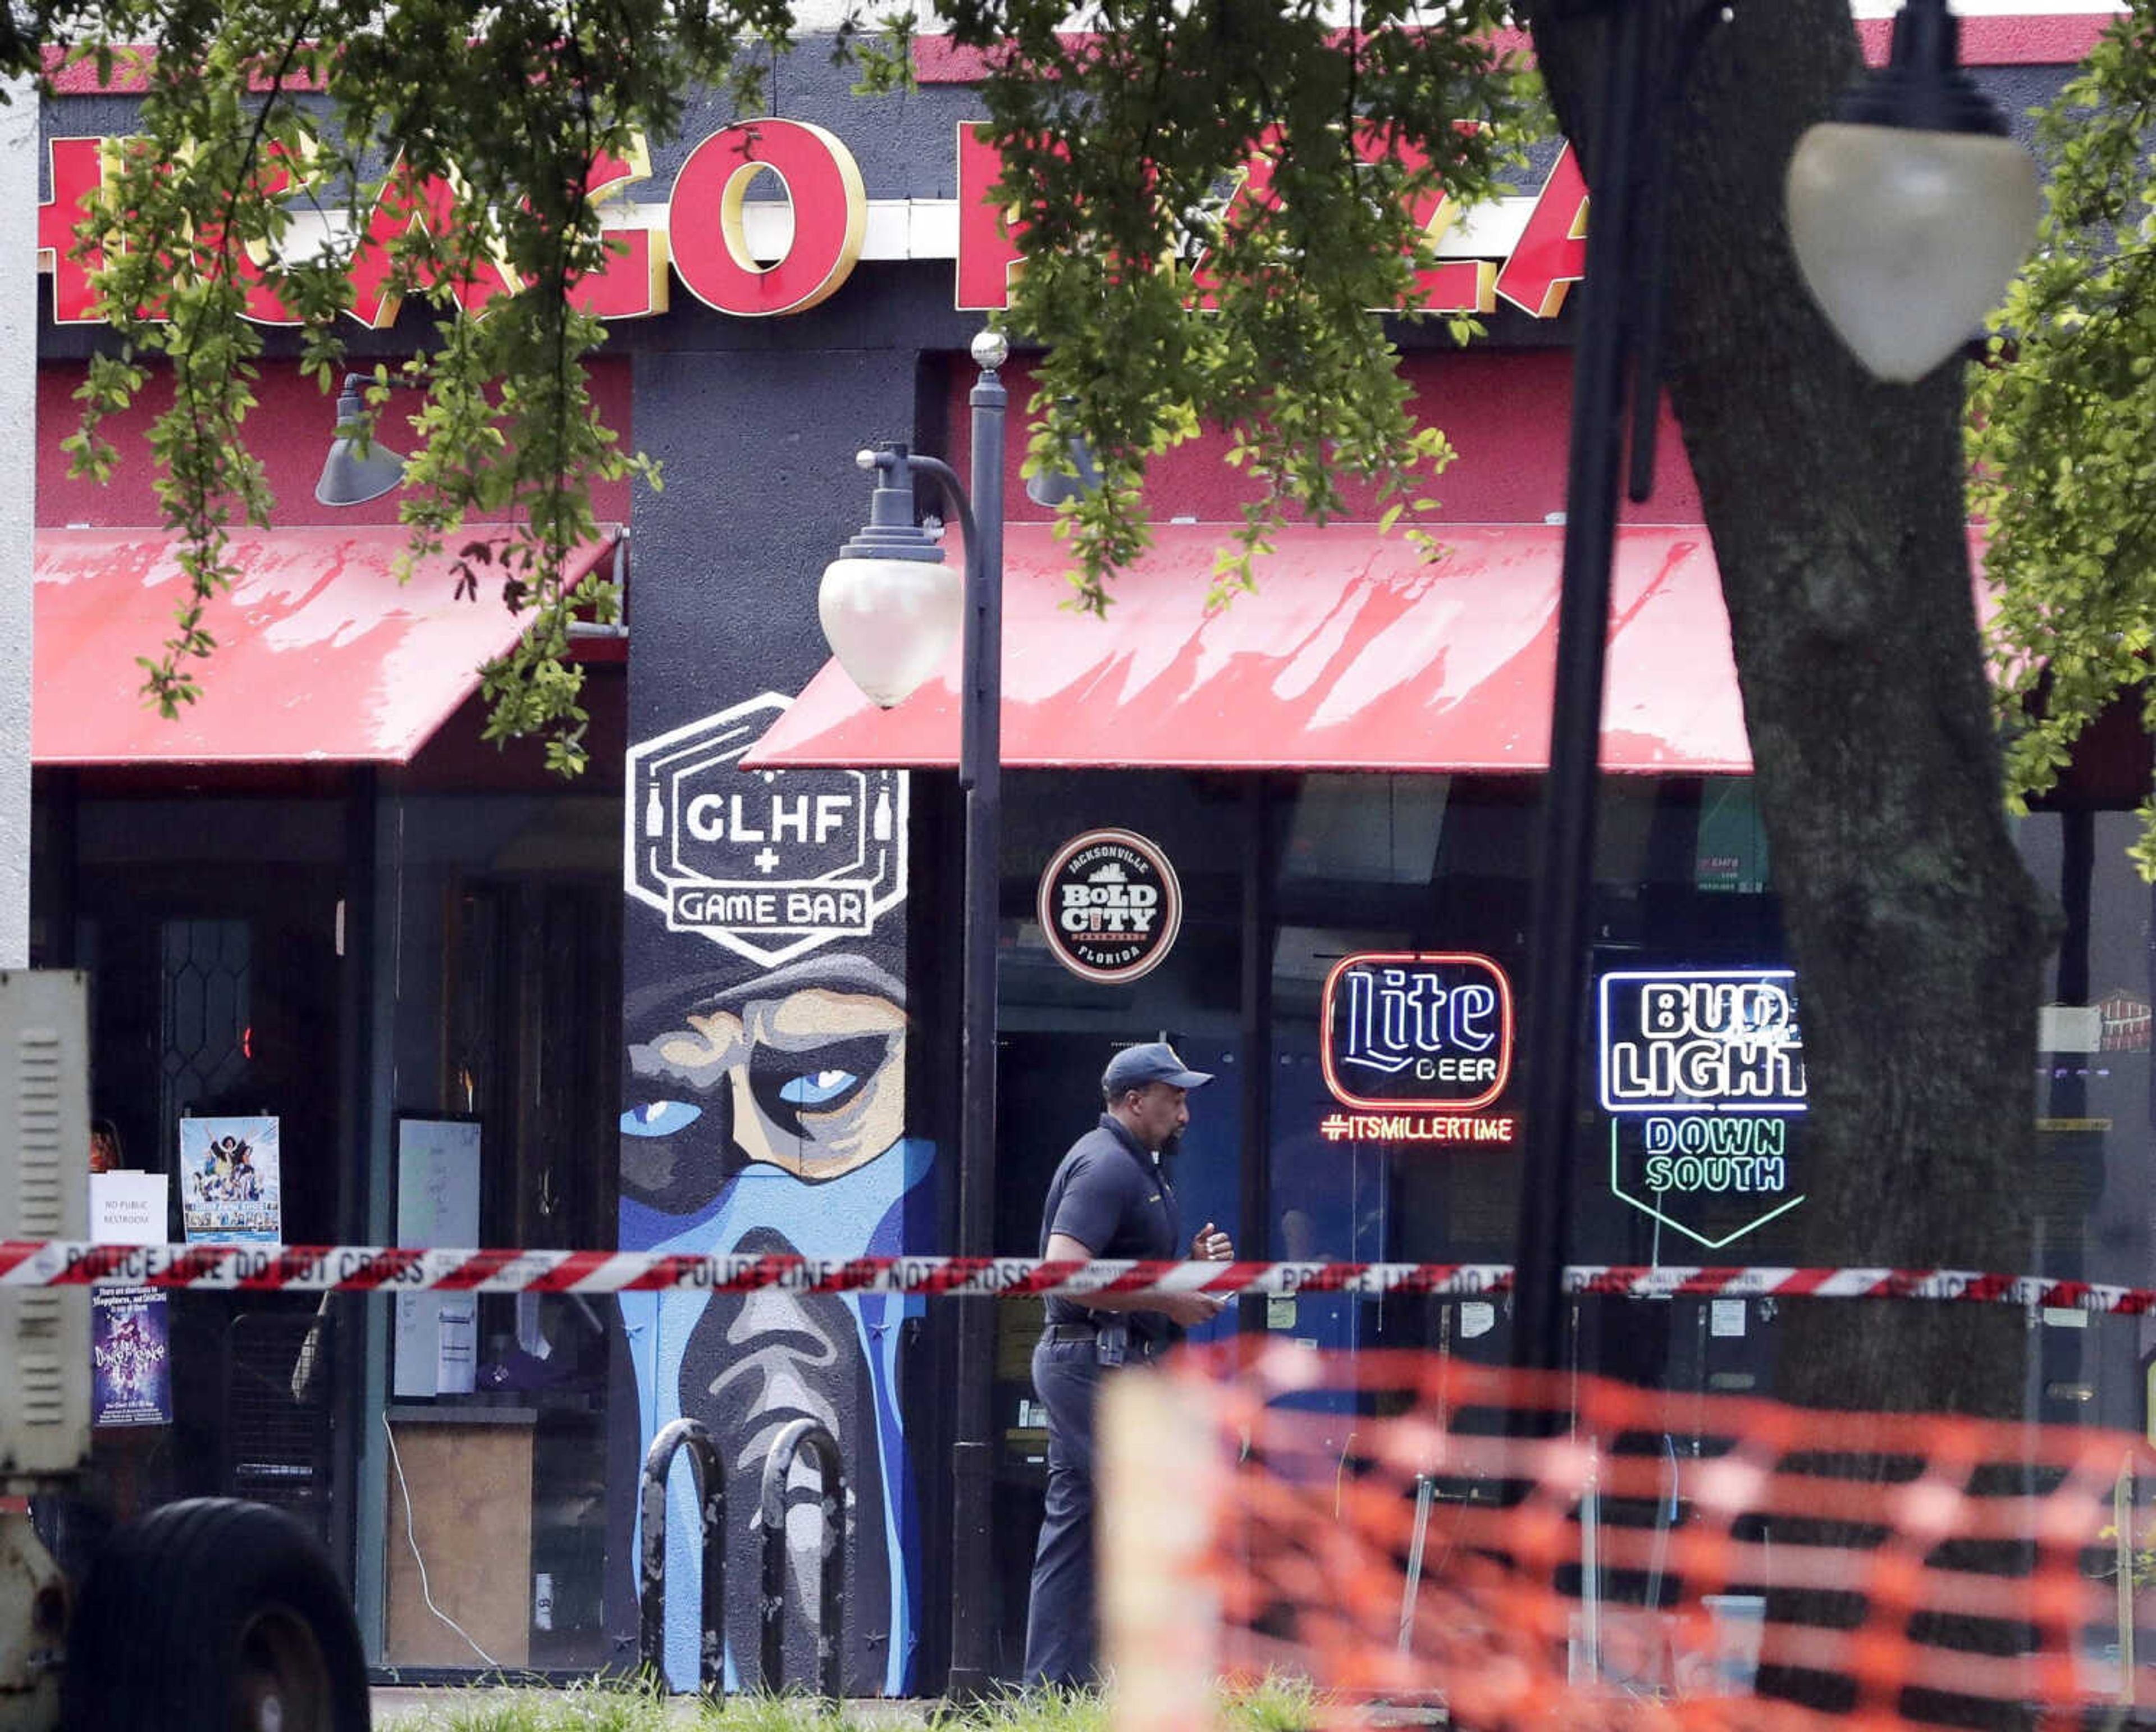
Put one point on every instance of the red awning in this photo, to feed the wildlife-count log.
(322, 655)
(1353, 654)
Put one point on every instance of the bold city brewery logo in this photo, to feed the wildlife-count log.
(1703, 1079)
(768, 863)
(1110, 904)
(1418, 1032)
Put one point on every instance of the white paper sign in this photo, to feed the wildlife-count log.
(128, 1208)
(437, 1204)
(456, 1343)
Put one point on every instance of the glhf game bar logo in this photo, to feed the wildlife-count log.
(769, 865)
(1418, 1031)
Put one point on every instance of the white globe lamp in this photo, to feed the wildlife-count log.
(891, 607)
(1911, 210)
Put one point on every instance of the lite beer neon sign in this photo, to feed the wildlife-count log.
(1417, 1031)
(703, 237)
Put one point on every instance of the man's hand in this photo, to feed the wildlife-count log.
(1189, 1309)
(1210, 1245)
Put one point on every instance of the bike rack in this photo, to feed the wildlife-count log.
(830, 1577)
(708, 1473)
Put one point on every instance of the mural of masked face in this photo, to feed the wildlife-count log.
(803, 1069)
(760, 1115)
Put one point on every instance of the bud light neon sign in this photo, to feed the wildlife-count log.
(1702, 1074)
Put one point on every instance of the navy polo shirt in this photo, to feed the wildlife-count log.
(1111, 1195)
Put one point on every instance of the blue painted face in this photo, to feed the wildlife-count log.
(765, 1117)
(803, 1070)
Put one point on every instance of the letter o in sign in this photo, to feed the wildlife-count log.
(831, 205)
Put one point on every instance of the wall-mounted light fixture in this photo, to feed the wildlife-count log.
(1074, 479)
(354, 473)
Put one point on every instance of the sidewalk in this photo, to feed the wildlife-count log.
(409, 1706)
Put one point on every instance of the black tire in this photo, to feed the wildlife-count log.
(214, 1616)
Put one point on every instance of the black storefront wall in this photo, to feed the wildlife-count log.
(766, 1066)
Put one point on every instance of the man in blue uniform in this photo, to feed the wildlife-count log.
(1108, 1198)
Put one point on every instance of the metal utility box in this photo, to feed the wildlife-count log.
(44, 1156)
(207, 1612)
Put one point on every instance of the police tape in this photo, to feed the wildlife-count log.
(361, 1268)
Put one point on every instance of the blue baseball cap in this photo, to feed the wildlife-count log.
(1149, 1061)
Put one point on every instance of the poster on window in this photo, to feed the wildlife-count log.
(230, 1187)
(436, 1340)
(130, 1367)
(131, 1358)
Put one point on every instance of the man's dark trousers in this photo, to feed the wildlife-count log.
(1061, 1637)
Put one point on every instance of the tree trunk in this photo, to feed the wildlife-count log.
(1836, 507)
(1835, 504)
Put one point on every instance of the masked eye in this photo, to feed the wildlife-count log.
(660, 1118)
(798, 1092)
(817, 1088)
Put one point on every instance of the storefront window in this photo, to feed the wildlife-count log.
(298, 1036)
(1377, 865)
(2089, 1181)
(1057, 1029)
(1432, 877)
(504, 946)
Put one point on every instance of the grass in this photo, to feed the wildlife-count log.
(1275, 1706)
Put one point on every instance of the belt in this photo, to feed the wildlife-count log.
(1139, 1347)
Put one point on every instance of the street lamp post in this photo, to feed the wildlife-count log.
(1908, 212)
(887, 608)
(1564, 878)
(980, 776)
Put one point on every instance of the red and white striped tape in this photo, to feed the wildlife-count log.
(363, 1268)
